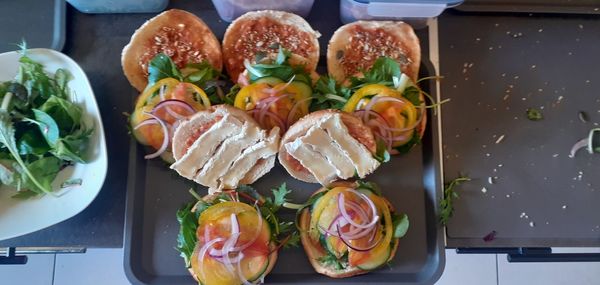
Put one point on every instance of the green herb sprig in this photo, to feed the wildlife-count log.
(447, 202)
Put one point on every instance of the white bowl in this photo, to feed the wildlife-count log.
(19, 217)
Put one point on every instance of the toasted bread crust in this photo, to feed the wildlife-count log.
(264, 31)
(356, 46)
(177, 33)
(315, 251)
(355, 127)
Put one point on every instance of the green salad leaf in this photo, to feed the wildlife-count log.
(41, 129)
(66, 114)
(199, 74)
(401, 225)
(186, 239)
(381, 72)
(7, 139)
(161, 67)
(47, 126)
(280, 68)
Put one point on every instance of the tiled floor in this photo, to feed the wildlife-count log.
(105, 266)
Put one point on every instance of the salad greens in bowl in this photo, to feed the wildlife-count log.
(52, 149)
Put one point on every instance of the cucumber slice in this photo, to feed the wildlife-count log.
(304, 88)
(377, 258)
(335, 246)
(272, 81)
(254, 267)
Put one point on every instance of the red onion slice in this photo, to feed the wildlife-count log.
(174, 102)
(243, 80)
(382, 99)
(578, 145)
(165, 142)
(203, 251)
(146, 122)
(256, 233)
(227, 261)
(294, 110)
(273, 91)
(357, 248)
(342, 207)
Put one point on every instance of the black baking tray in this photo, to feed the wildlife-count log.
(412, 183)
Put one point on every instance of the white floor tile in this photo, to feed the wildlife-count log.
(469, 269)
(38, 270)
(567, 273)
(97, 266)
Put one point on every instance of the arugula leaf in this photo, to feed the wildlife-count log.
(447, 202)
(412, 94)
(72, 182)
(293, 240)
(186, 239)
(160, 67)
(401, 224)
(229, 98)
(45, 170)
(280, 69)
(24, 194)
(73, 146)
(381, 72)
(7, 138)
(331, 260)
(369, 186)
(329, 94)
(534, 114)
(19, 99)
(32, 142)
(66, 114)
(279, 197)
(381, 153)
(62, 78)
(282, 56)
(47, 126)
(414, 140)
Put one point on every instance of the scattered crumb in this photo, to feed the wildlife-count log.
(484, 190)
(516, 77)
(500, 165)
(532, 224)
(490, 181)
(487, 154)
(507, 195)
(555, 155)
(540, 30)
(580, 26)
(564, 207)
(533, 66)
(499, 140)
